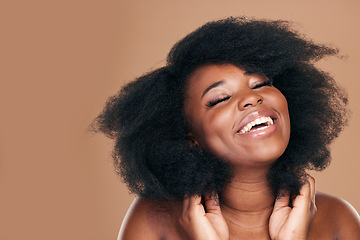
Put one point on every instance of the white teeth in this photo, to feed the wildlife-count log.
(257, 121)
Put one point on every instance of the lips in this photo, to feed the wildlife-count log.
(256, 121)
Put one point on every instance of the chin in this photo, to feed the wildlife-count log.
(259, 156)
(271, 154)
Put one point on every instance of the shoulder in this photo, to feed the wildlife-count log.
(147, 219)
(335, 217)
(135, 224)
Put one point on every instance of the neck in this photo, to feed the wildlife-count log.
(247, 200)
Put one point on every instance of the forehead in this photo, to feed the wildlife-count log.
(212, 70)
(207, 75)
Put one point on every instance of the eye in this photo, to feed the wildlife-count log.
(267, 82)
(212, 103)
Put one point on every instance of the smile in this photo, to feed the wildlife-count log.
(257, 124)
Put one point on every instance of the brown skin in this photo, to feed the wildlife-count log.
(248, 211)
(215, 128)
(334, 219)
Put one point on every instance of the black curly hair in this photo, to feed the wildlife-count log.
(146, 118)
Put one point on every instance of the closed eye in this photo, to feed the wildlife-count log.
(267, 82)
(212, 103)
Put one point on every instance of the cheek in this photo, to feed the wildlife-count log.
(284, 111)
(216, 128)
(279, 101)
(220, 118)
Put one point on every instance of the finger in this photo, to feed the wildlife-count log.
(303, 199)
(282, 200)
(195, 202)
(186, 204)
(313, 207)
(311, 180)
(212, 204)
(305, 190)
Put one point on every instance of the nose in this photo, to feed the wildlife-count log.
(249, 99)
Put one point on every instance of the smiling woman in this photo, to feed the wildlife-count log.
(216, 143)
(241, 118)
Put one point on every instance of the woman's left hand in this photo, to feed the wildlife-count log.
(293, 222)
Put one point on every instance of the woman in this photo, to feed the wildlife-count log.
(216, 143)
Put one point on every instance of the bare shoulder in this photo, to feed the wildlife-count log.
(335, 218)
(135, 224)
(146, 219)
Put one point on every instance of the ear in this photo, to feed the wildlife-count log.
(190, 139)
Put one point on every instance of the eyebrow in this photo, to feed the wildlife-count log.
(247, 73)
(212, 86)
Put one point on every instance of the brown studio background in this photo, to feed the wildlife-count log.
(61, 60)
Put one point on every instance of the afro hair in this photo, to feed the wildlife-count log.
(146, 118)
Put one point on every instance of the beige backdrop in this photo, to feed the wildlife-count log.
(61, 60)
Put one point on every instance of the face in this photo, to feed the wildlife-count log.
(238, 116)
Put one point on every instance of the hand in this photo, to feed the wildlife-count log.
(293, 223)
(198, 224)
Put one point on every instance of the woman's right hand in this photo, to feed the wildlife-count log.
(198, 224)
